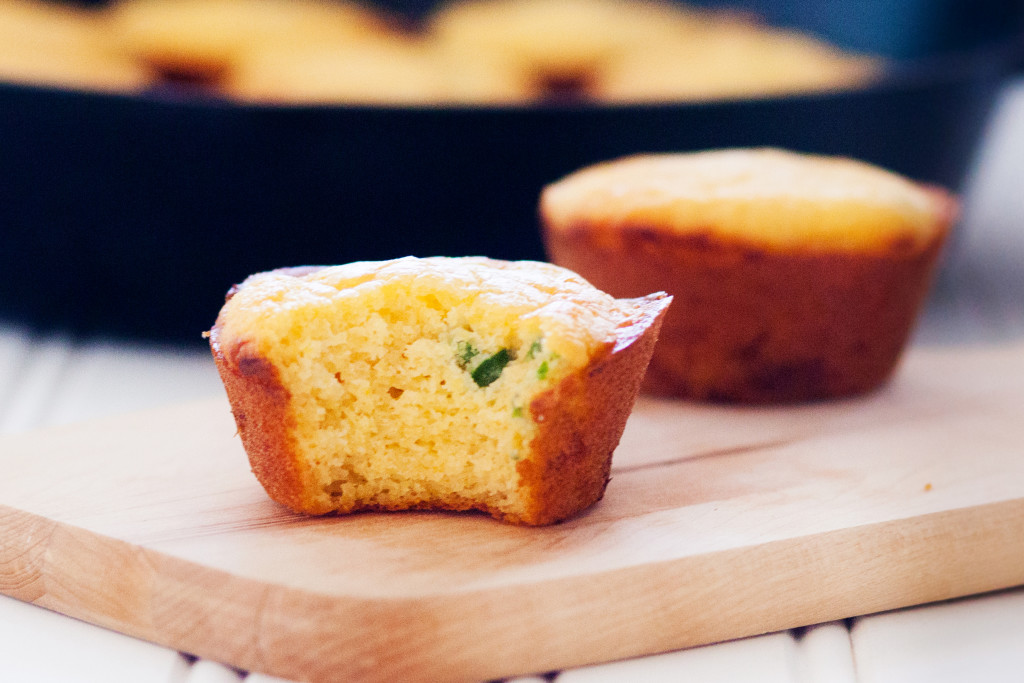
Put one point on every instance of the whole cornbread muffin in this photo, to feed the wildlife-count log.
(436, 383)
(63, 45)
(204, 40)
(795, 277)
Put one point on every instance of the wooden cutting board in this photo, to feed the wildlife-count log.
(719, 522)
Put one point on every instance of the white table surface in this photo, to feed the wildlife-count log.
(49, 379)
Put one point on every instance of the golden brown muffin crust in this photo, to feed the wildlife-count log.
(799, 326)
(259, 403)
(581, 420)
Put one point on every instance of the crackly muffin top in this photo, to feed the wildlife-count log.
(533, 299)
(765, 197)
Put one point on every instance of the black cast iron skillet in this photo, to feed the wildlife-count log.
(132, 215)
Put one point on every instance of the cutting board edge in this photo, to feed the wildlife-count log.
(471, 636)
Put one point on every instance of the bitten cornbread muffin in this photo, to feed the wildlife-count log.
(795, 277)
(436, 383)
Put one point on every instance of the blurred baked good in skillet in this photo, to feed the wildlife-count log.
(733, 58)
(562, 46)
(464, 52)
(202, 40)
(64, 46)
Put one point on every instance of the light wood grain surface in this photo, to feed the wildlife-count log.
(719, 523)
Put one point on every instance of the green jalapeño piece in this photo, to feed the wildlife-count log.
(490, 368)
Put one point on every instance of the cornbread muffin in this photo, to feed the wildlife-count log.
(795, 277)
(202, 40)
(732, 59)
(561, 46)
(63, 45)
(433, 383)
